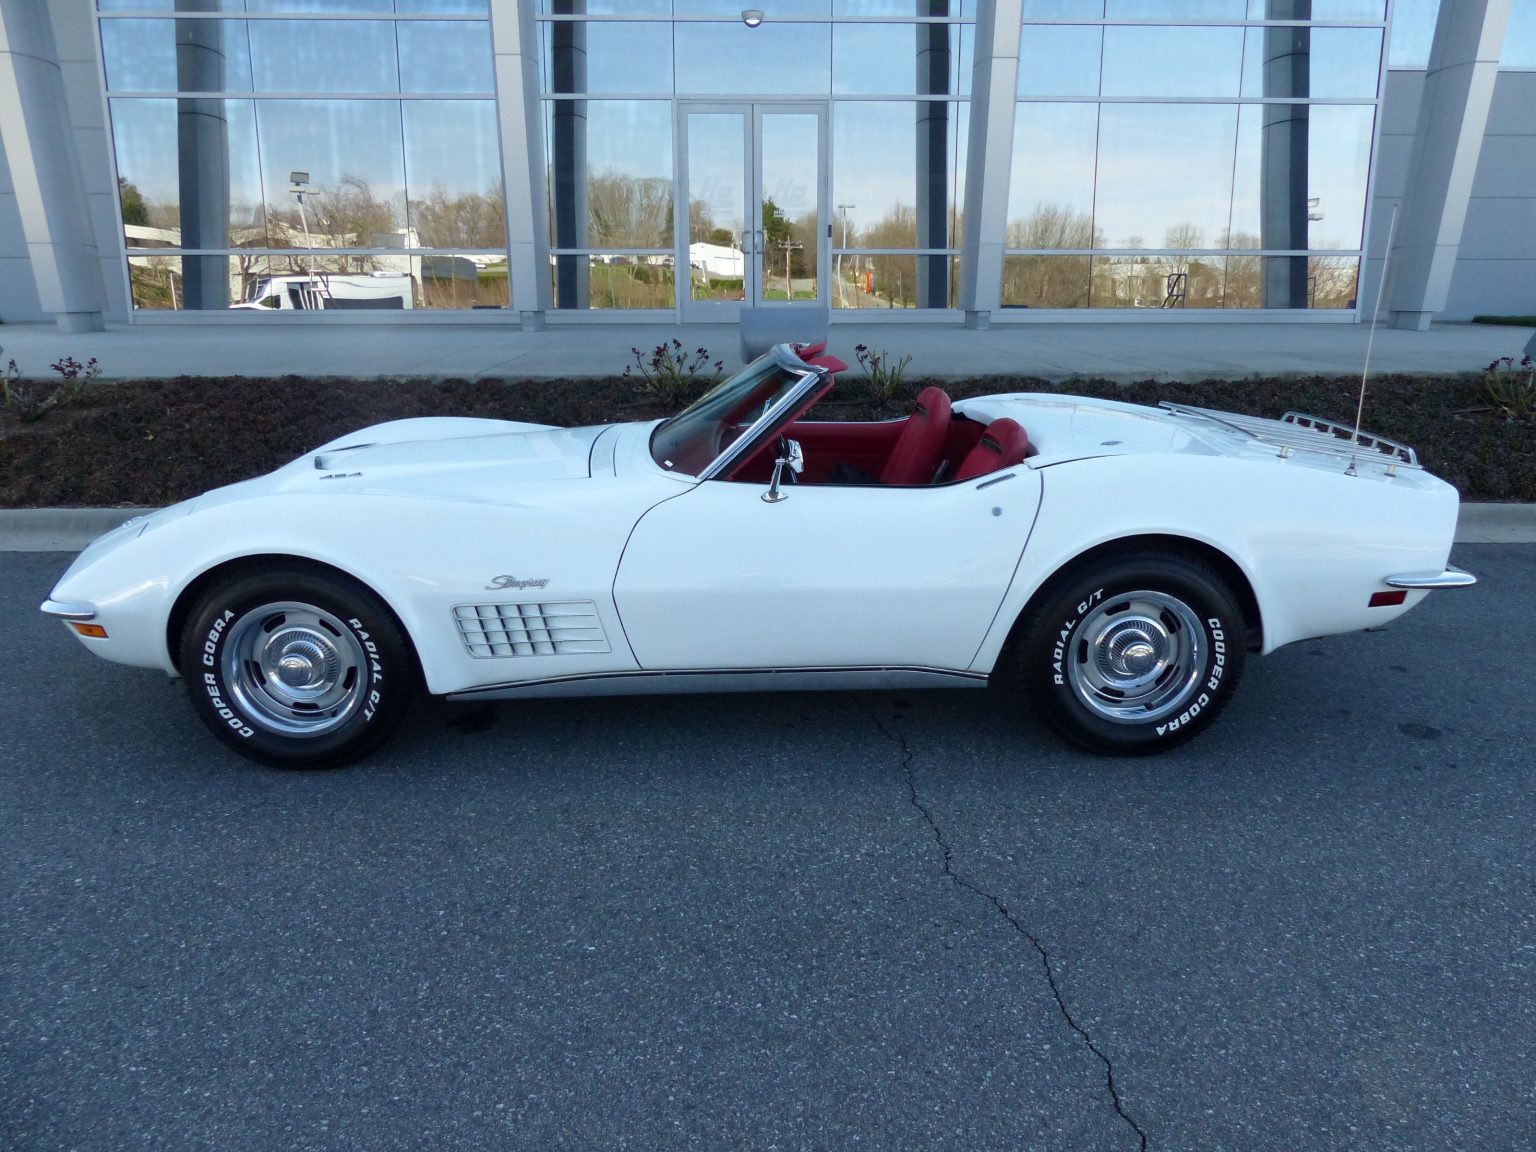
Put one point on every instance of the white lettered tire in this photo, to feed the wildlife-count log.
(1131, 655)
(297, 667)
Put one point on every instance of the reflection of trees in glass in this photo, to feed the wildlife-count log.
(348, 214)
(893, 278)
(1048, 281)
(1332, 281)
(135, 211)
(473, 220)
(628, 211)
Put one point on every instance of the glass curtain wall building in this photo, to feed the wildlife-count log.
(273, 153)
(684, 159)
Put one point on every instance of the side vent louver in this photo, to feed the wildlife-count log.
(490, 631)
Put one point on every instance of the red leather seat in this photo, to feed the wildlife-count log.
(1003, 444)
(915, 457)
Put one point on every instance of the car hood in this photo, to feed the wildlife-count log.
(445, 457)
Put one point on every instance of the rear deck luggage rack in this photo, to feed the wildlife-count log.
(1297, 432)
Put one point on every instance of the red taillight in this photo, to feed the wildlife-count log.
(1387, 599)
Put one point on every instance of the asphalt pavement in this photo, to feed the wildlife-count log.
(869, 920)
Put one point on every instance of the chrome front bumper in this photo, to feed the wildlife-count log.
(64, 610)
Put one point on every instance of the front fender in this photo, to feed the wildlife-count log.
(422, 557)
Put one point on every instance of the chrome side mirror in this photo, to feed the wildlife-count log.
(792, 458)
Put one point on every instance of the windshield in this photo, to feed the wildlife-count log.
(693, 439)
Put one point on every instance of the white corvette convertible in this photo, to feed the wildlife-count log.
(1112, 564)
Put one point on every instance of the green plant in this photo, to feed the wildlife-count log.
(29, 405)
(1511, 387)
(882, 374)
(671, 376)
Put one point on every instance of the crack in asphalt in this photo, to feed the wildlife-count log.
(1017, 924)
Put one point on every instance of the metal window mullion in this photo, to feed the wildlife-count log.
(349, 17)
(1185, 253)
(319, 252)
(147, 94)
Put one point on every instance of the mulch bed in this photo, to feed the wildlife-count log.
(153, 442)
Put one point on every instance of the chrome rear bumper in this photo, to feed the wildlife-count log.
(1425, 581)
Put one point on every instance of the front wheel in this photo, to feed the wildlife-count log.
(1131, 656)
(296, 668)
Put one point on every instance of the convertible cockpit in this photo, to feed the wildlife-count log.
(739, 430)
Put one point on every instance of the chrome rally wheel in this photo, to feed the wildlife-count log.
(295, 669)
(1131, 654)
(1137, 658)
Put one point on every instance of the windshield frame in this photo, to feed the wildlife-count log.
(736, 393)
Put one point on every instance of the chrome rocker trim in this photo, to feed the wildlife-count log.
(1423, 581)
(68, 610)
(727, 680)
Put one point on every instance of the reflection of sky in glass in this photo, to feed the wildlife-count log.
(631, 137)
(1161, 166)
(1340, 152)
(1413, 28)
(622, 58)
(1520, 37)
(775, 58)
(874, 159)
(140, 55)
(1345, 63)
(320, 5)
(1335, 9)
(451, 145)
(1248, 179)
(1176, 9)
(445, 57)
(1053, 159)
(774, 9)
(324, 56)
(145, 143)
(716, 170)
(1060, 59)
(881, 59)
(960, 8)
(790, 159)
(334, 141)
(302, 56)
(1161, 61)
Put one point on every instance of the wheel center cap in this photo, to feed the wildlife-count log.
(1138, 657)
(296, 670)
(301, 663)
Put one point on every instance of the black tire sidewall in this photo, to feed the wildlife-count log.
(391, 669)
(1040, 665)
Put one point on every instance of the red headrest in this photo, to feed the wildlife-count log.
(1003, 444)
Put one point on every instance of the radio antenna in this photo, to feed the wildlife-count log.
(1386, 264)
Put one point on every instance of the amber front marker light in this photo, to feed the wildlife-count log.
(94, 631)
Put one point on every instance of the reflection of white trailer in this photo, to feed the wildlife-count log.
(316, 290)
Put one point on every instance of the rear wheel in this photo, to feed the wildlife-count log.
(1133, 655)
(297, 668)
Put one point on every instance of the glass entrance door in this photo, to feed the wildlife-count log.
(756, 230)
